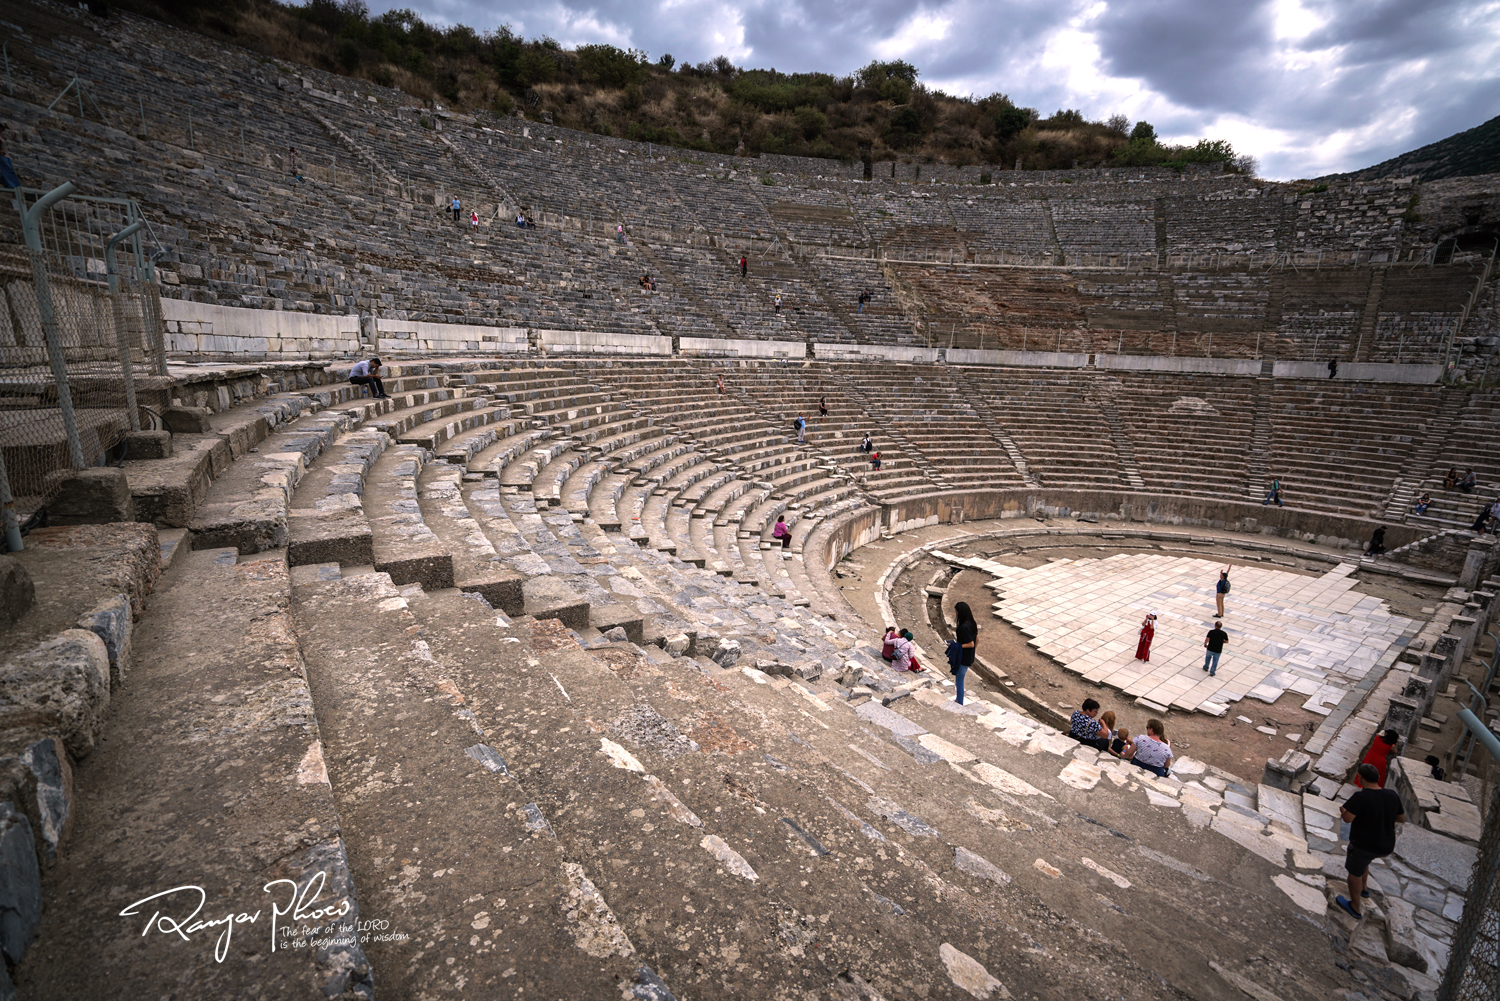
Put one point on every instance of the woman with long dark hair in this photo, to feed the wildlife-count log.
(967, 635)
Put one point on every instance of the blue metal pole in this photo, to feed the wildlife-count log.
(31, 227)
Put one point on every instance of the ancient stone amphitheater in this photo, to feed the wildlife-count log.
(502, 687)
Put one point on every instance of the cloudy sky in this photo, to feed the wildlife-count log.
(1307, 86)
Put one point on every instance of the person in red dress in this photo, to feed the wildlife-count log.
(1148, 631)
(1380, 752)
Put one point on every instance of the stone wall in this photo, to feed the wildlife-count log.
(203, 329)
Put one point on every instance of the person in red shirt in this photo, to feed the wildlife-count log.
(1379, 755)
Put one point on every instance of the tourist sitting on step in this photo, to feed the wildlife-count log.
(1423, 503)
(1153, 751)
(822, 406)
(1120, 745)
(875, 463)
(1084, 726)
(1107, 728)
(1377, 542)
(868, 445)
(782, 532)
(367, 373)
(888, 643)
(1469, 482)
(1450, 482)
(905, 653)
(1274, 494)
(520, 220)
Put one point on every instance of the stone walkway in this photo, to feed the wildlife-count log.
(1314, 636)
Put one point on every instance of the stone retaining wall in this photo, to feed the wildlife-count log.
(713, 347)
(204, 329)
(979, 505)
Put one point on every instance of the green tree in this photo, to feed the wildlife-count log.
(608, 66)
(890, 81)
(1143, 130)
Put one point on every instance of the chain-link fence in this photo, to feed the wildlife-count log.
(80, 326)
(1474, 967)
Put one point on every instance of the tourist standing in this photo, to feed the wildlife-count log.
(1382, 748)
(620, 232)
(1148, 632)
(744, 265)
(777, 300)
(966, 634)
(1274, 494)
(474, 221)
(1333, 368)
(801, 430)
(864, 297)
(1372, 815)
(1213, 645)
(457, 207)
(1221, 589)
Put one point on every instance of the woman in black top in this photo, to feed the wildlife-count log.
(967, 634)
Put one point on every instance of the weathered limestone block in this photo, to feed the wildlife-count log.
(727, 653)
(186, 420)
(1401, 935)
(47, 761)
(621, 616)
(111, 621)
(676, 644)
(96, 496)
(148, 445)
(20, 884)
(17, 592)
(550, 598)
(60, 687)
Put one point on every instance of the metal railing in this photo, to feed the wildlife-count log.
(80, 324)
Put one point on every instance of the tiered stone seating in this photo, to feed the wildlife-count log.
(1340, 447)
(1055, 418)
(1190, 434)
(1467, 444)
(928, 414)
(1090, 225)
(748, 303)
(1226, 218)
(881, 321)
(999, 222)
(815, 217)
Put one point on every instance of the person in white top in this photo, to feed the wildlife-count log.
(367, 373)
(1153, 751)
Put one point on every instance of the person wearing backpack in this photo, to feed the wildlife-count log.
(1221, 589)
(966, 636)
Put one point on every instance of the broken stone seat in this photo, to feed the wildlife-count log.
(246, 507)
(169, 472)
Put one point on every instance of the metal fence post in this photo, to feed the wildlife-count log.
(8, 511)
(30, 226)
(127, 366)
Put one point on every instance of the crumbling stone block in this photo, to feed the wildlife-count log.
(48, 763)
(17, 592)
(20, 885)
(186, 420)
(148, 445)
(110, 620)
(60, 687)
(96, 496)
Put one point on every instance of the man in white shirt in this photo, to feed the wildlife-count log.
(367, 373)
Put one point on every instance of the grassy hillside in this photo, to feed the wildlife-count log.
(1475, 151)
(881, 112)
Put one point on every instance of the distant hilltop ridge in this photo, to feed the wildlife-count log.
(1465, 154)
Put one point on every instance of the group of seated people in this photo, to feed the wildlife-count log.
(1151, 751)
(1466, 483)
(523, 221)
(898, 648)
(647, 282)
